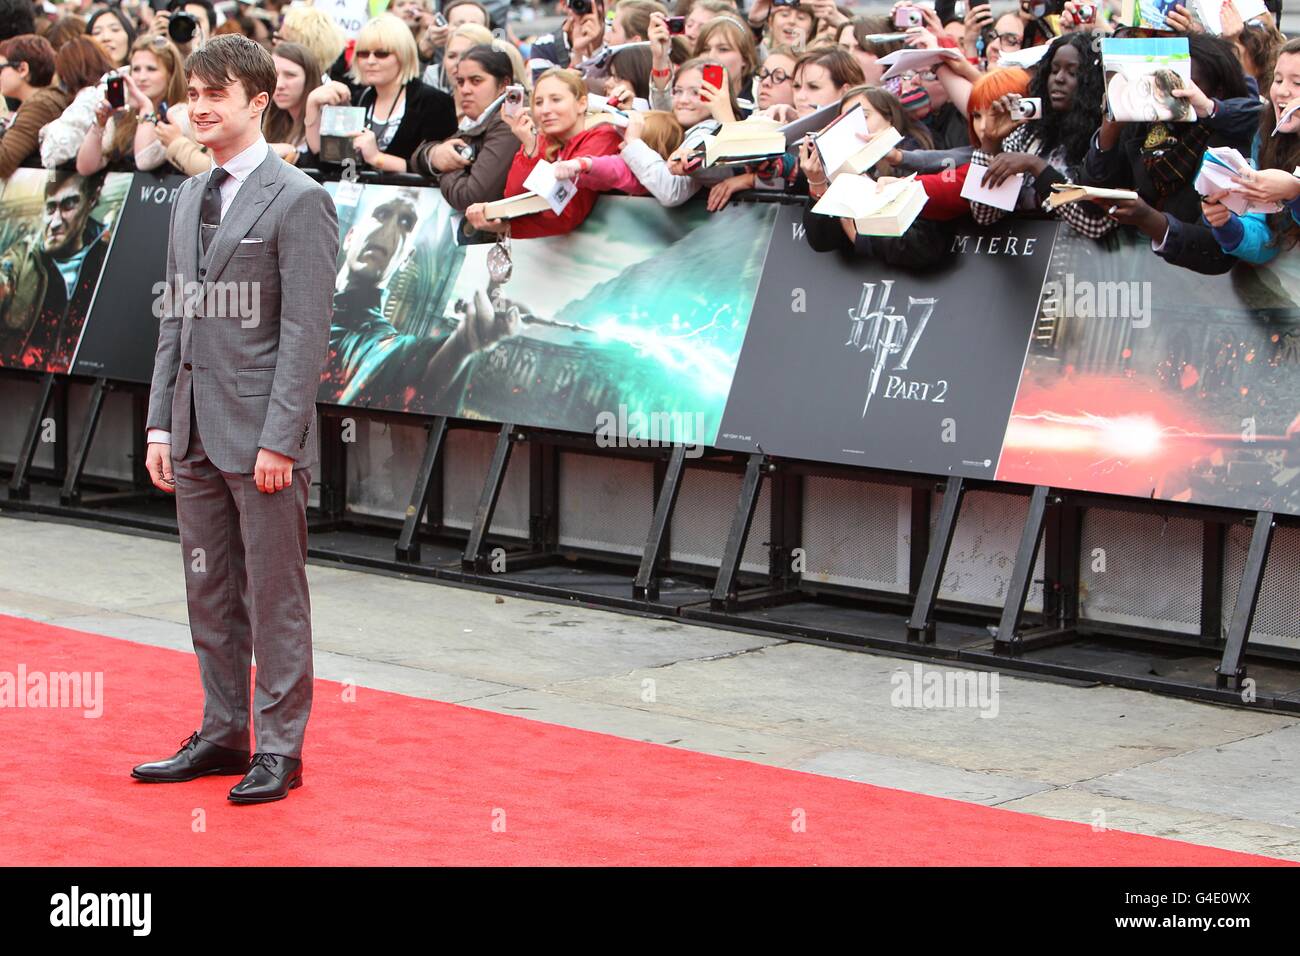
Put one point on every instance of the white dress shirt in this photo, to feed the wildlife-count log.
(240, 167)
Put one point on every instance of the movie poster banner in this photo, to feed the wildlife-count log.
(121, 336)
(852, 361)
(1149, 380)
(632, 324)
(56, 229)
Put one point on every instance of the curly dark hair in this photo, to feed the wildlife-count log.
(1072, 127)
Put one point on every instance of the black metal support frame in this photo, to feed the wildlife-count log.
(474, 561)
(71, 491)
(1232, 669)
(52, 389)
(920, 626)
(408, 543)
(725, 593)
(645, 587)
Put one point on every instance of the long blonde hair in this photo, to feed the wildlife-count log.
(169, 58)
(577, 86)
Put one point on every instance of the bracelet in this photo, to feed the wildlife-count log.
(821, 182)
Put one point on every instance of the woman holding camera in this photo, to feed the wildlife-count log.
(555, 129)
(81, 66)
(400, 109)
(472, 165)
(1050, 149)
(154, 119)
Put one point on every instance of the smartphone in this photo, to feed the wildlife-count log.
(713, 74)
(514, 102)
(162, 111)
(115, 92)
(676, 26)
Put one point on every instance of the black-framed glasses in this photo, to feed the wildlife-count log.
(66, 204)
(1010, 41)
(777, 76)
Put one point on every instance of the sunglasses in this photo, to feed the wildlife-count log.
(777, 76)
(376, 54)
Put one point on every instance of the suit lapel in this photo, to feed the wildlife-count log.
(187, 229)
(249, 204)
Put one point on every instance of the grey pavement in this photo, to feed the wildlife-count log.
(1127, 760)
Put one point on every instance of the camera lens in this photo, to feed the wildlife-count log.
(182, 26)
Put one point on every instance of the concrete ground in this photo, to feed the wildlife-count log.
(1121, 759)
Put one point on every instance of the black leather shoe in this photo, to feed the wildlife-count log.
(270, 777)
(196, 758)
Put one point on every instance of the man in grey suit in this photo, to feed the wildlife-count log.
(232, 422)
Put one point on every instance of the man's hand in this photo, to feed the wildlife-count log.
(158, 462)
(272, 472)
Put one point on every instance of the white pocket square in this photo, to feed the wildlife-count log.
(249, 241)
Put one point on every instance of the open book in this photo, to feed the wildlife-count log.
(512, 207)
(748, 141)
(876, 210)
(1063, 193)
(845, 146)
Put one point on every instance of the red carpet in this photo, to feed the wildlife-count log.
(393, 780)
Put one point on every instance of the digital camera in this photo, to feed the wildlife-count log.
(1028, 108)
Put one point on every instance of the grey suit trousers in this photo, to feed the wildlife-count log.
(245, 556)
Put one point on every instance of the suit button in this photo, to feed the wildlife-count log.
(202, 273)
(189, 367)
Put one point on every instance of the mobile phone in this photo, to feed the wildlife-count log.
(115, 92)
(676, 26)
(712, 74)
(162, 112)
(514, 102)
(1028, 108)
(905, 17)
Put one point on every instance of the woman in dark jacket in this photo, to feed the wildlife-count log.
(472, 165)
(401, 112)
(1160, 160)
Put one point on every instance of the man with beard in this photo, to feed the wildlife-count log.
(369, 361)
(48, 279)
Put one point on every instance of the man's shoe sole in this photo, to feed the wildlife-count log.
(202, 773)
(236, 799)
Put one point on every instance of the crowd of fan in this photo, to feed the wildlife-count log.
(435, 83)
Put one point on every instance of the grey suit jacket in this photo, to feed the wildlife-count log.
(250, 337)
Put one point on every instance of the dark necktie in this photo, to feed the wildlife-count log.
(210, 212)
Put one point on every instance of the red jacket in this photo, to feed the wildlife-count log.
(944, 190)
(601, 140)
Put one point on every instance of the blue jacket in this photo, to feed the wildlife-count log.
(1249, 237)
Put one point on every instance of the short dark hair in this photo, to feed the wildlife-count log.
(230, 57)
(36, 52)
(16, 18)
(89, 186)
